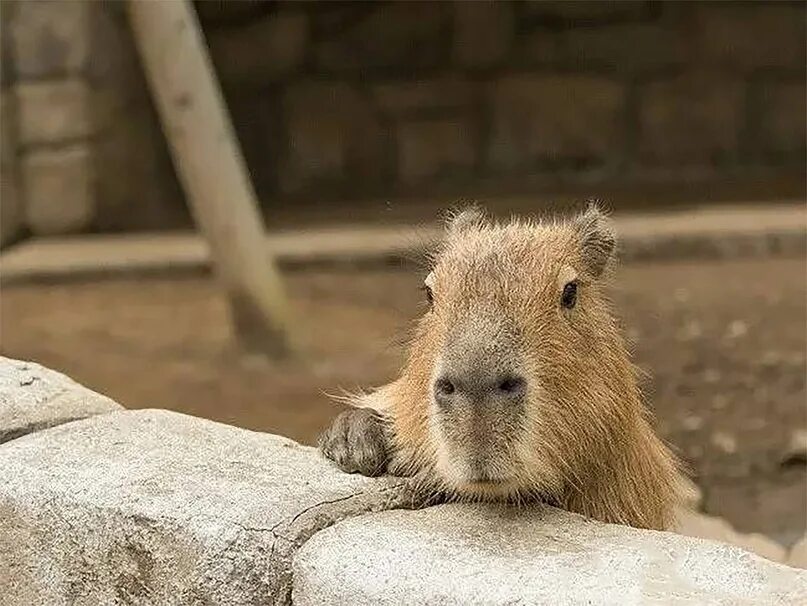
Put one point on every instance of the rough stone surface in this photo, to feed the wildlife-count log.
(50, 38)
(154, 507)
(53, 111)
(33, 397)
(436, 148)
(464, 554)
(58, 189)
(554, 118)
(483, 33)
(690, 120)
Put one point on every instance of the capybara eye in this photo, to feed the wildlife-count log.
(429, 294)
(569, 296)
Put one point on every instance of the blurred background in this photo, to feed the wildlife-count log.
(360, 123)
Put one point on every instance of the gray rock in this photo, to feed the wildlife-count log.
(474, 554)
(155, 507)
(33, 397)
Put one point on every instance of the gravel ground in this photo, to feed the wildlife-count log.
(723, 344)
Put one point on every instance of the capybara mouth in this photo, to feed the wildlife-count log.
(486, 488)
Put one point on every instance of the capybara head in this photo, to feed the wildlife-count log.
(518, 378)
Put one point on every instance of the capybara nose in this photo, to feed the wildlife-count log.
(478, 389)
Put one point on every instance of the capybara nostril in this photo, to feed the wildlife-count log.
(512, 386)
(443, 387)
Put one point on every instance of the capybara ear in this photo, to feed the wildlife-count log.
(465, 216)
(597, 238)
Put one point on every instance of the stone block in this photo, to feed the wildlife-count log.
(261, 51)
(538, 119)
(425, 97)
(58, 189)
(51, 37)
(154, 507)
(486, 554)
(782, 125)
(690, 120)
(748, 36)
(432, 149)
(53, 111)
(334, 136)
(483, 33)
(396, 35)
(33, 397)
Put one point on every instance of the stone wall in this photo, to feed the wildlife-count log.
(48, 120)
(81, 139)
(100, 505)
(340, 99)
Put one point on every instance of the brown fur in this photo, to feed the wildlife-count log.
(584, 441)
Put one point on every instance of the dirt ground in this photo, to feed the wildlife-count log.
(723, 344)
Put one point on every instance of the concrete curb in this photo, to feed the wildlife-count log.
(735, 232)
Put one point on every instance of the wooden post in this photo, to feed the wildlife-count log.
(211, 168)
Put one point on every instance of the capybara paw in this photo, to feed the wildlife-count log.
(357, 442)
